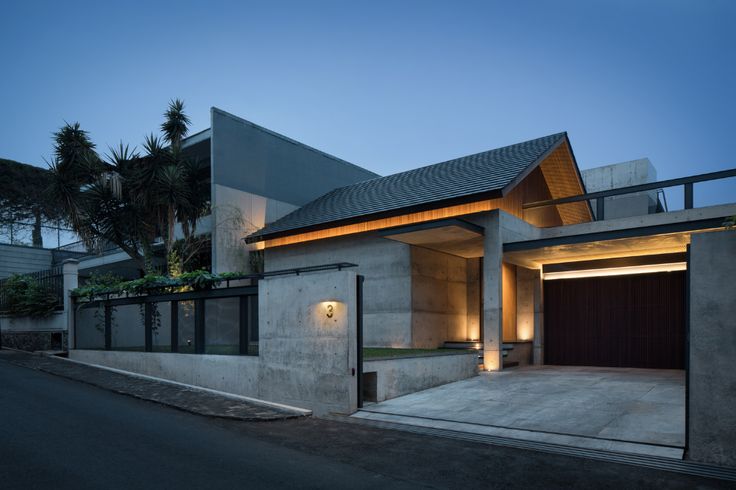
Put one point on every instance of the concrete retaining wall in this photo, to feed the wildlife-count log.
(712, 379)
(521, 353)
(306, 359)
(56, 321)
(404, 375)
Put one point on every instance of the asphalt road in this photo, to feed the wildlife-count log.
(57, 433)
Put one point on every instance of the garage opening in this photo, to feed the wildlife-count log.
(635, 320)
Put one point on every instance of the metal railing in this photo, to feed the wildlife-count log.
(220, 320)
(599, 197)
(51, 280)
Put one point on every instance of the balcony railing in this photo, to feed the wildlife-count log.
(600, 197)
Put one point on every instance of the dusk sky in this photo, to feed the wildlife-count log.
(386, 85)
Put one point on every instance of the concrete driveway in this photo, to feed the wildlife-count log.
(627, 410)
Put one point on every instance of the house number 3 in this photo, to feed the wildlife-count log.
(330, 311)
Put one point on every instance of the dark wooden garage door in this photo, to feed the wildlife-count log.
(619, 321)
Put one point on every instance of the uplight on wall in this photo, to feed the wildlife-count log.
(328, 309)
(617, 271)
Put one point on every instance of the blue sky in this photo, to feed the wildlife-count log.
(386, 85)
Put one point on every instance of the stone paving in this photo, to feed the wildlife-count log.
(192, 400)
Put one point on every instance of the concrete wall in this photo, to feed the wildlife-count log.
(251, 158)
(473, 290)
(401, 376)
(259, 176)
(236, 214)
(306, 359)
(387, 290)
(55, 322)
(20, 259)
(712, 379)
(439, 298)
(521, 353)
(43, 333)
(623, 174)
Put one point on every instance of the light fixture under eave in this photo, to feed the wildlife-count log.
(617, 271)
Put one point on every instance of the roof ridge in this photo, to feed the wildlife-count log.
(455, 180)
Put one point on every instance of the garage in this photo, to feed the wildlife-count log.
(635, 320)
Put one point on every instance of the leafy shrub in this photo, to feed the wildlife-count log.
(154, 283)
(25, 296)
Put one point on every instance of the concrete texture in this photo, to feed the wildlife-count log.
(712, 383)
(522, 353)
(387, 290)
(305, 359)
(238, 213)
(400, 376)
(185, 398)
(492, 293)
(623, 174)
(635, 405)
(438, 298)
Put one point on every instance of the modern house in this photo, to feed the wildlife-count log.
(486, 249)
(513, 252)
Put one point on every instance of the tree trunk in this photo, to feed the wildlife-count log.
(37, 236)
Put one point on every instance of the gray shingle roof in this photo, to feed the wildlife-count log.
(470, 175)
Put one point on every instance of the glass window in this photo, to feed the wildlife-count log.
(186, 326)
(128, 331)
(222, 326)
(90, 327)
(161, 326)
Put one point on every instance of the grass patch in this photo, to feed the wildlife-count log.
(379, 352)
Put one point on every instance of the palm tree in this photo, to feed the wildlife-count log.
(126, 198)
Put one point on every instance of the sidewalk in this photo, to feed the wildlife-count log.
(191, 400)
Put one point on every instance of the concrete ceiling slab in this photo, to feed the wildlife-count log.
(624, 247)
(451, 239)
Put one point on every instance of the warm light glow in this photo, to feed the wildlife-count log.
(617, 271)
(558, 171)
(380, 224)
(329, 308)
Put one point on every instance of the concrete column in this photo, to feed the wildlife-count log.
(492, 294)
(538, 355)
(70, 271)
(712, 379)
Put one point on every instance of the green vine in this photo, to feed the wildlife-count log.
(153, 283)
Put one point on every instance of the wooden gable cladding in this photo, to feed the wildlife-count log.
(563, 181)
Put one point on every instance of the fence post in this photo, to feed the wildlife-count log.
(70, 272)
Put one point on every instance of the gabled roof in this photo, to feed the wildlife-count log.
(489, 174)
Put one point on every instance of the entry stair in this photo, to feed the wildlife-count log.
(476, 345)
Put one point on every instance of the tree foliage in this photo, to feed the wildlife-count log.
(24, 196)
(131, 198)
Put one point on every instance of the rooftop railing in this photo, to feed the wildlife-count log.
(600, 197)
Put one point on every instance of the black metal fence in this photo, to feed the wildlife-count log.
(217, 321)
(50, 281)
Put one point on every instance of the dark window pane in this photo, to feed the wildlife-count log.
(90, 327)
(161, 326)
(186, 327)
(128, 332)
(222, 326)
